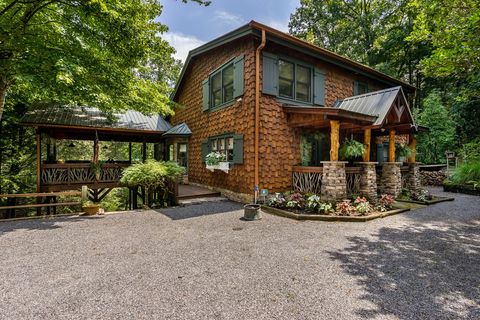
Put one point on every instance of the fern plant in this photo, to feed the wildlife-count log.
(351, 149)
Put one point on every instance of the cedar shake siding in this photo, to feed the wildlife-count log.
(279, 147)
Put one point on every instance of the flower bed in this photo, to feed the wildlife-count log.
(421, 197)
(303, 206)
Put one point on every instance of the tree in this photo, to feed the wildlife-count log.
(84, 52)
(432, 145)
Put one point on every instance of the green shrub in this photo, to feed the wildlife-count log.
(151, 174)
(351, 149)
(470, 152)
(468, 173)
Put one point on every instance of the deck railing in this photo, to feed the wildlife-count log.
(309, 179)
(80, 173)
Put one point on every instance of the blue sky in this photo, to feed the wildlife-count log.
(191, 25)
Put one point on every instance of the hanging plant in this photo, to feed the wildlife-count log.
(351, 149)
(404, 151)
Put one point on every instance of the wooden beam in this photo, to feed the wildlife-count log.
(412, 145)
(334, 139)
(367, 138)
(391, 146)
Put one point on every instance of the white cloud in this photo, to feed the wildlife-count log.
(228, 19)
(182, 43)
(278, 24)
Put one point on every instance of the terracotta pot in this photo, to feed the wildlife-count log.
(91, 210)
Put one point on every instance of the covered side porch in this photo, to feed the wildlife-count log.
(83, 146)
(381, 121)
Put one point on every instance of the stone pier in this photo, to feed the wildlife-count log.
(391, 181)
(368, 180)
(334, 180)
(413, 177)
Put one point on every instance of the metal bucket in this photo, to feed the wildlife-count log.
(252, 212)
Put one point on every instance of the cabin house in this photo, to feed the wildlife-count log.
(278, 108)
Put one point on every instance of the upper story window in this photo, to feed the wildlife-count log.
(223, 85)
(293, 80)
(359, 88)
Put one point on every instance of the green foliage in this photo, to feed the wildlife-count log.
(431, 146)
(151, 174)
(214, 158)
(403, 151)
(468, 173)
(351, 149)
(108, 54)
(470, 152)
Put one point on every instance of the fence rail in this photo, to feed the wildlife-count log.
(80, 173)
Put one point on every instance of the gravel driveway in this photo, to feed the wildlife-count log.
(423, 264)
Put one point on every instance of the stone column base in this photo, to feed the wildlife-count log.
(334, 180)
(368, 180)
(413, 181)
(391, 181)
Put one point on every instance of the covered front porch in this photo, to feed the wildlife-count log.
(381, 121)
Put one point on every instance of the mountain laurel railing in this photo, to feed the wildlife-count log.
(80, 173)
(307, 179)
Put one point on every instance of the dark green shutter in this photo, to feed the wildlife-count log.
(270, 74)
(380, 153)
(319, 87)
(206, 94)
(238, 75)
(238, 148)
(205, 149)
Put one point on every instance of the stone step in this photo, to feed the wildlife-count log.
(193, 201)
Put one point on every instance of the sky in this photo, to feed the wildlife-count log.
(191, 25)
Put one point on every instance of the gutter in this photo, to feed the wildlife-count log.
(257, 110)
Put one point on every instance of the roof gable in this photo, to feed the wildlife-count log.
(389, 106)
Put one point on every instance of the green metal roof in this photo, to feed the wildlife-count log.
(181, 129)
(89, 117)
(376, 103)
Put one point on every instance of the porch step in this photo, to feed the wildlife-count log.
(193, 201)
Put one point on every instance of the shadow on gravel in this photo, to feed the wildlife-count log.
(39, 224)
(419, 272)
(202, 209)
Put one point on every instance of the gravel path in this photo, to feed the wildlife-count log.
(424, 264)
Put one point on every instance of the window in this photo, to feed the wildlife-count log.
(231, 145)
(292, 80)
(223, 85)
(182, 155)
(359, 88)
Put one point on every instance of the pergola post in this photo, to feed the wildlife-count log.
(39, 158)
(367, 136)
(391, 146)
(334, 139)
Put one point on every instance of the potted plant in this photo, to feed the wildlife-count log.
(214, 159)
(402, 152)
(90, 208)
(97, 167)
(351, 149)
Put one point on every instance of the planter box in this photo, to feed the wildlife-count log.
(320, 217)
(467, 189)
(222, 166)
(427, 202)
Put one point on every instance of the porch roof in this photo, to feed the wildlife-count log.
(90, 118)
(379, 104)
(180, 130)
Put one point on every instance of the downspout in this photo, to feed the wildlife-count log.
(257, 111)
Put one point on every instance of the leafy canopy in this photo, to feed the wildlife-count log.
(108, 54)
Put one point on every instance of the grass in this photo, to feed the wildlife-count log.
(468, 173)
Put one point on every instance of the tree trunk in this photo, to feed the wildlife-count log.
(3, 94)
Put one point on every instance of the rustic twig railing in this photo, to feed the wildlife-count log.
(353, 176)
(80, 173)
(307, 179)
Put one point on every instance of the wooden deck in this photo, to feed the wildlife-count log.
(186, 191)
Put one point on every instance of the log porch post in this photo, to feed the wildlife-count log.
(39, 158)
(391, 146)
(367, 136)
(412, 145)
(334, 139)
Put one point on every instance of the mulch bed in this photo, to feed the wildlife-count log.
(320, 217)
(467, 189)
